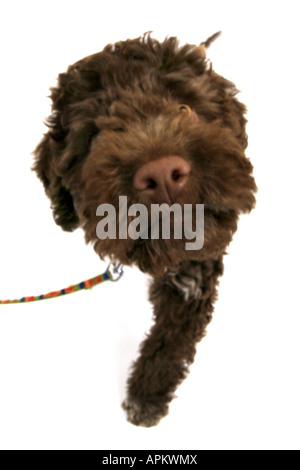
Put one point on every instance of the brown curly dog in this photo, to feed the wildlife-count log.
(153, 122)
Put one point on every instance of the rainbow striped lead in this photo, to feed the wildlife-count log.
(88, 284)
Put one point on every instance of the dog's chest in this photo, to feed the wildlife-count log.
(187, 283)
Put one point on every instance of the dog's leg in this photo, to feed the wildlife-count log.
(183, 305)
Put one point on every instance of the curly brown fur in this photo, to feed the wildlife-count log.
(113, 112)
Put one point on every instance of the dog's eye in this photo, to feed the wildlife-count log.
(184, 108)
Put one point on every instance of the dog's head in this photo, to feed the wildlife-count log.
(151, 121)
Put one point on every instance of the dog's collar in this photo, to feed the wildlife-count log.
(114, 272)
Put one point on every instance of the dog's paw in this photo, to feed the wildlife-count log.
(143, 414)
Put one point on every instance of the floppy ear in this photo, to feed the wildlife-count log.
(62, 151)
(61, 200)
(232, 111)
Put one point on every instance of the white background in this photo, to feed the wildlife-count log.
(64, 362)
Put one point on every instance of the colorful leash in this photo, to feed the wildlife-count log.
(113, 273)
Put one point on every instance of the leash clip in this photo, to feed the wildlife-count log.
(115, 270)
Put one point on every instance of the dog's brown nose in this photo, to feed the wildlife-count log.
(162, 179)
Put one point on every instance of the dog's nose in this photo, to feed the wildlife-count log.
(162, 179)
